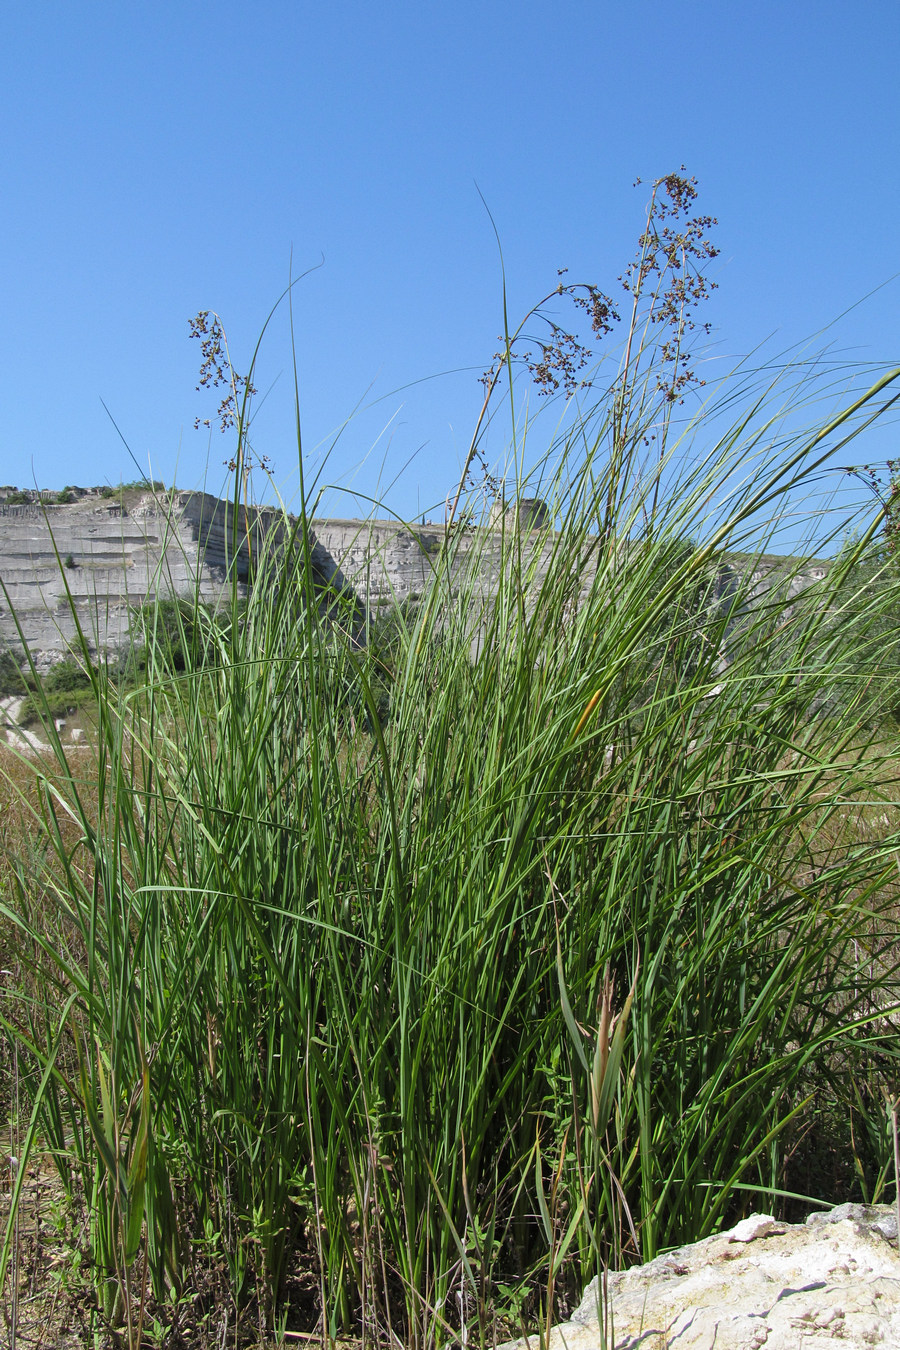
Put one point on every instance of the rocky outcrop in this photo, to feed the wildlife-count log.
(93, 560)
(96, 556)
(832, 1281)
(528, 513)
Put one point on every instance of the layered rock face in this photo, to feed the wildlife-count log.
(99, 557)
(833, 1281)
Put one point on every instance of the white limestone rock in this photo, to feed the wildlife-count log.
(103, 556)
(832, 1281)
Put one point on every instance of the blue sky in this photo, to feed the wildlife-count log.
(159, 160)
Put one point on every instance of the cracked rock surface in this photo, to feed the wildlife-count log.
(832, 1281)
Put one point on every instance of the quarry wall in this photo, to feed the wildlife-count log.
(98, 557)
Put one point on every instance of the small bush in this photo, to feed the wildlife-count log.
(36, 709)
(66, 677)
(63, 689)
(172, 636)
(12, 680)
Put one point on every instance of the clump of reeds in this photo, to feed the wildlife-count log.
(454, 965)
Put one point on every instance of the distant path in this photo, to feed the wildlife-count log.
(26, 742)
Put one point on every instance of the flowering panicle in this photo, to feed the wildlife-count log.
(217, 370)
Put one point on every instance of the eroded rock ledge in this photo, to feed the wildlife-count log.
(98, 555)
(834, 1280)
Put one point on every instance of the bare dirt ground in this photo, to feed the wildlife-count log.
(46, 1301)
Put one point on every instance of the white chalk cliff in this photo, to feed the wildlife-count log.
(100, 556)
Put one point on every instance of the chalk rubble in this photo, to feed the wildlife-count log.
(832, 1281)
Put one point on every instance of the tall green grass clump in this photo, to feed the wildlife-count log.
(411, 974)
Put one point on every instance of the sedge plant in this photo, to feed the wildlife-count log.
(452, 968)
